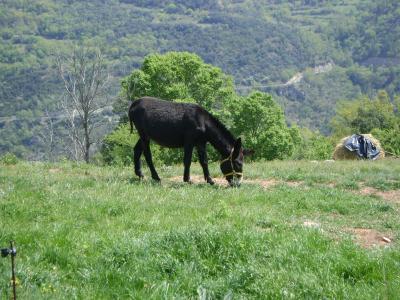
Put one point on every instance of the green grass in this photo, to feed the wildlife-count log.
(87, 232)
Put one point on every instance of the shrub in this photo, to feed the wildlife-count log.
(390, 140)
(117, 149)
(117, 146)
(313, 145)
(9, 159)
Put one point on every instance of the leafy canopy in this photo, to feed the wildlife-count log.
(363, 115)
(262, 124)
(180, 76)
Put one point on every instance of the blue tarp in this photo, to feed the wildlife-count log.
(362, 146)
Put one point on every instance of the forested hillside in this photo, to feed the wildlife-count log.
(261, 44)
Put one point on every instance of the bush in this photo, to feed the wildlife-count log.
(313, 145)
(117, 149)
(390, 140)
(9, 159)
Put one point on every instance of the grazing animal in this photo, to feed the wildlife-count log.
(187, 125)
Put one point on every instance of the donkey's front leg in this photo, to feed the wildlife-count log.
(201, 149)
(187, 160)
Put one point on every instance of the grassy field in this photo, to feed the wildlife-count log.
(293, 230)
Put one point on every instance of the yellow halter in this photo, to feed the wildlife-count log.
(233, 170)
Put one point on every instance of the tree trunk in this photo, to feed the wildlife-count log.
(87, 140)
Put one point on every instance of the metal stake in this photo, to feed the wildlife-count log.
(13, 254)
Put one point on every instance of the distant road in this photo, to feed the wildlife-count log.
(295, 79)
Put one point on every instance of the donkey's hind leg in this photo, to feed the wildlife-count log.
(187, 160)
(137, 152)
(149, 159)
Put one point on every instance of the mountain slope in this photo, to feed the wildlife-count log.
(259, 43)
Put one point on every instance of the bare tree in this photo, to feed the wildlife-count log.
(85, 77)
(47, 135)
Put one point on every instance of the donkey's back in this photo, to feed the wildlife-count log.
(168, 123)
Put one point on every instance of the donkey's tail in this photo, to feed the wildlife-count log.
(130, 113)
(131, 123)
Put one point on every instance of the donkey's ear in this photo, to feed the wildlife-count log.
(237, 147)
(248, 152)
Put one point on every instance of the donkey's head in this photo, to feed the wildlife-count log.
(232, 166)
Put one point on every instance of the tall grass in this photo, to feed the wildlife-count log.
(86, 232)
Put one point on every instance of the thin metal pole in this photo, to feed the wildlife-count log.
(13, 253)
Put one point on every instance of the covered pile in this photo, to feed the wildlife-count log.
(359, 146)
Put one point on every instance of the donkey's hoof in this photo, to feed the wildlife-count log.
(210, 181)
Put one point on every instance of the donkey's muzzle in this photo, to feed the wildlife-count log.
(235, 181)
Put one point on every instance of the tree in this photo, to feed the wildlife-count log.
(363, 115)
(47, 136)
(85, 78)
(261, 122)
(179, 76)
(174, 76)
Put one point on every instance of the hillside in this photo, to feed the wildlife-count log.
(261, 44)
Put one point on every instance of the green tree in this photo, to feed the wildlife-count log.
(175, 76)
(261, 122)
(363, 115)
(179, 76)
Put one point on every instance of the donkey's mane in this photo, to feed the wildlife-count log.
(222, 127)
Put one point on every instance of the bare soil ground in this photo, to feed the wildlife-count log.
(369, 238)
(390, 196)
(265, 183)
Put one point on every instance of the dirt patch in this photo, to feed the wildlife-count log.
(390, 196)
(311, 224)
(294, 183)
(366, 191)
(265, 183)
(197, 179)
(331, 185)
(369, 238)
(268, 183)
(54, 171)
